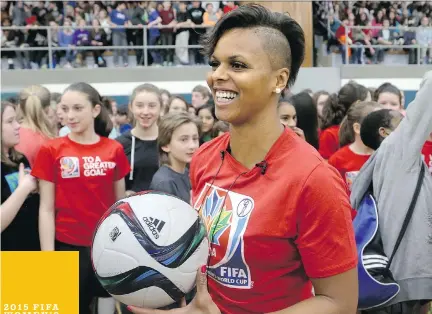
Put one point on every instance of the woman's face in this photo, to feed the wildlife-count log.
(78, 112)
(242, 79)
(146, 108)
(380, 14)
(287, 114)
(184, 143)
(207, 120)
(389, 101)
(165, 99)
(10, 128)
(52, 116)
(192, 111)
(60, 115)
(177, 105)
(320, 103)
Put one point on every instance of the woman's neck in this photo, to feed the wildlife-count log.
(5, 150)
(148, 134)
(360, 149)
(87, 137)
(177, 165)
(251, 142)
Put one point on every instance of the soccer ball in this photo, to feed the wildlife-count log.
(147, 249)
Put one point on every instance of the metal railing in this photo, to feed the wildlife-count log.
(145, 47)
(383, 46)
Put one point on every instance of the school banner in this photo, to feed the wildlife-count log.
(39, 282)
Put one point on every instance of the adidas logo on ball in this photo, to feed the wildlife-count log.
(155, 225)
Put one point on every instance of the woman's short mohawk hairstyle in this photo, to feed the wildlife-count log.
(283, 37)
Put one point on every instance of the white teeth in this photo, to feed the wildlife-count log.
(226, 94)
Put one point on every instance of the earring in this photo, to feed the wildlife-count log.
(277, 90)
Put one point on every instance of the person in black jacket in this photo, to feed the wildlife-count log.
(98, 37)
(37, 38)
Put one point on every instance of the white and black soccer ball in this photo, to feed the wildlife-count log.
(147, 249)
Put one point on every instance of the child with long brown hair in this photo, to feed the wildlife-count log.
(353, 152)
(80, 176)
(36, 128)
(334, 111)
(19, 206)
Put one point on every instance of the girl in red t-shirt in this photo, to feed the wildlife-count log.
(36, 128)
(334, 111)
(350, 158)
(80, 176)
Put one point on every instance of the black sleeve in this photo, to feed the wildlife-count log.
(126, 143)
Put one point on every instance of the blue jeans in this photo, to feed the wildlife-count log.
(157, 58)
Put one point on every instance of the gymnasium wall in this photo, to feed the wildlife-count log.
(301, 11)
(119, 82)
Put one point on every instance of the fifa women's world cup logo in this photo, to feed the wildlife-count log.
(226, 216)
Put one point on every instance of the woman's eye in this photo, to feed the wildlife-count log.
(238, 65)
(213, 64)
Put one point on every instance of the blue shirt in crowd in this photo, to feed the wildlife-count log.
(153, 16)
(118, 18)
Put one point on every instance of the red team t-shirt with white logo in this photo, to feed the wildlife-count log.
(271, 232)
(84, 177)
(348, 163)
(427, 154)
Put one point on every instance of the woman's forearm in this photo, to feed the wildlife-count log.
(47, 229)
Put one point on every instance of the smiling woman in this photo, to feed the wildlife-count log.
(259, 187)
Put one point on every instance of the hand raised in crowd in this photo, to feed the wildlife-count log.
(201, 304)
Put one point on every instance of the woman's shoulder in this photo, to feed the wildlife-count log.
(54, 143)
(125, 139)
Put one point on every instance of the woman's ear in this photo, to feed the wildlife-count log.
(96, 110)
(166, 148)
(282, 78)
(382, 132)
(356, 128)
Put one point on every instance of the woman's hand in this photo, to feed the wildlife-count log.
(201, 304)
(299, 132)
(26, 181)
(129, 193)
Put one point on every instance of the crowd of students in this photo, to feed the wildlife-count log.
(398, 24)
(188, 21)
(166, 133)
(308, 148)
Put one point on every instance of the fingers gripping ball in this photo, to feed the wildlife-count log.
(147, 249)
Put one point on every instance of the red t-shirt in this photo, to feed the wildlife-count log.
(329, 141)
(84, 177)
(30, 143)
(228, 9)
(427, 154)
(167, 16)
(276, 229)
(348, 164)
